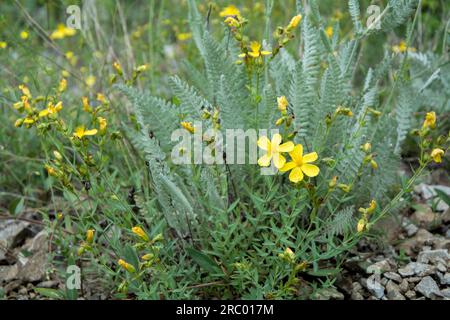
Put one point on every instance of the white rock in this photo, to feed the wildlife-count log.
(428, 287)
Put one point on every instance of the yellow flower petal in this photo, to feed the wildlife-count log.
(310, 170)
(266, 53)
(264, 161)
(288, 166)
(296, 175)
(278, 160)
(297, 154)
(276, 140)
(286, 147)
(264, 143)
(90, 132)
(310, 157)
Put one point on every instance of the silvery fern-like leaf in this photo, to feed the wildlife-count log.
(342, 222)
(304, 89)
(191, 101)
(398, 12)
(197, 25)
(355, 13)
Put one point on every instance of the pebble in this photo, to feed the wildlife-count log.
(375, 287)
(428, 287)
(379, 267)
(393, 276)
(410, 228)
(416, 268)
(404, 285)
(433, 256)
(446, 293)
(393, 291)
(410, 294)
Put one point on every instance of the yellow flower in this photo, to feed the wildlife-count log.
(231, 10)
(232, 22)
(256, 52)
(362, 225)
(184, 36)
(329, 31)
(437, 154)
(51, 171)
(71, 57)
(402, 47)
(294, 22)
(51, 109)
(102, 124)
(24, 35)
(142, 68)
(274, 150)
(344, 111)
(430, 120)
(118, 67)
(148, 256)
(81, 131)
(300, 164)
(62, 85)
(90, 81)
(126, 266)
(3, 44)
(188, 126)
(65, 73)
(62, 31)
(86, 106)
(25, 91)
(90, 235)
(372, 206)
(374, 164)
(18, 123)
(367, 147)
(140, 233)
(101, 98)
(288, 255)
(282, 103)
(57, 155)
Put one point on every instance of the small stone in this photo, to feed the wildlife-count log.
(410, 294)
(357, 296)
(8, 273)
(404, 285)
(428, 287)
(446, 293)
(416, 268)
(444, 279)
(11, 286)
(414, 279)
(393, 291)
(23, 291)
(35, 268)
(433, 256)
(410, 228)
(32, 295)
(375, 287)
(393, 276)
(379, 267)
(410, 245)
(441, 267)
(384, 281)
(424, 216)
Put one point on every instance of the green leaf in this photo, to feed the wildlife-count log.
(443, 196)
(50, 293)
(204, 261)
(16, 206)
